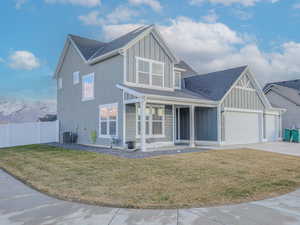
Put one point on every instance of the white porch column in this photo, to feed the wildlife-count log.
(219, 124)
(143, 125)
(192, 126)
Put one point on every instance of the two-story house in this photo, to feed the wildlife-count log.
(134, 88)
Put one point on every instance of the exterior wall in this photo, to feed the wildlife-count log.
(148, 48)
(80, 116)
(291, 118)
(131, 125)
(243, 99)
(206, 124)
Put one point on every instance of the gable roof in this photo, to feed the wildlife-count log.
(295, 84)
(291, 94)
(214, 85)
(184, 66)
(93, 51)
(86, 46)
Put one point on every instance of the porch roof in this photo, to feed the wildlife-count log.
(177, 93)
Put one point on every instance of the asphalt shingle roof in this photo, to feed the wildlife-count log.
(214, 85)
(92, 49)
(291, 94)
(181, 93)
(189, 70)
(295, 84)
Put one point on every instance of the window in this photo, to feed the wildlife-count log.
(88, 87)
(150, 72)
(155, 118)
(59, 83)
(108, 120)
(76, 77)
(177, 80)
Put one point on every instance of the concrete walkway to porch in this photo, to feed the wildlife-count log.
(21, 205)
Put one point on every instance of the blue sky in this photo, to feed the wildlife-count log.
(209, 34)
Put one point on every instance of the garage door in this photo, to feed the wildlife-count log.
(242, 128)
(271, 127)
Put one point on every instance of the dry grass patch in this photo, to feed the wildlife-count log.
(184, 180)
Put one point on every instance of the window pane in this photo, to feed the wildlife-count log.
(112, 127)
(144, 66)
(157, 128)
(75, 77)
(157, 113)
(157, 68)
(157, 80)
(113, 113)
(144, 78)
(104, 128)
(147, 127)
(104, 113)
(177, 79)
(88, 87)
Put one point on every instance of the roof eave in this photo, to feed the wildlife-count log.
(105, 56)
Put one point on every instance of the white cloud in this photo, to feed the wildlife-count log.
(91, 18)
(20, 3)
(211, 17)
(87, 3)
(120, 14)
(210, 47)
(296, 6)
(242, 15)
(154, 4)
(23, 60)
(230, 2)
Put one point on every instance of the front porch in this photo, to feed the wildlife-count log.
(155, 123)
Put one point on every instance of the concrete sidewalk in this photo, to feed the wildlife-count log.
(21, 205)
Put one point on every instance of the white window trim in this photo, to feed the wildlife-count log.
(151, 61)
(175, 87)
(82, 83)
(59, 83)
(150, 135)
(108, 120)
(76, 73)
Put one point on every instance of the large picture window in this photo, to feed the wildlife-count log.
(108, 120)
(155, 119)
(88, 87)
(150, 72)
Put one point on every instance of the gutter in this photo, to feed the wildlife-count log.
(105, 56)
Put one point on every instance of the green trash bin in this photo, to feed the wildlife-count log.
(296, 136)
(287, 135)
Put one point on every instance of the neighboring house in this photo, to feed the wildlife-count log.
(135, 89)
(286, 94)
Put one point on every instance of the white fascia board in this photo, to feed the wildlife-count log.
(259, 89)
(181, 100)
(130, 91)
(105, 56)
(234, 84)
(179, 69)
(61, 58)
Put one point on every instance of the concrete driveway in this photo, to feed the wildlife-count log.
(21, 205)
(278, 147)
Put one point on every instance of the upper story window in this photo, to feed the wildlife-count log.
(108, 120)
(88, 87)
(177, 83)
(59, 83)
(150, 72)
(76, 77)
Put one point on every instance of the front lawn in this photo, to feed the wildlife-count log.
(183, 180)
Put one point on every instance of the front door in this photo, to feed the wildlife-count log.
(182, 124)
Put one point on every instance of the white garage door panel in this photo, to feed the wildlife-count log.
(242, 128)
(271, 128)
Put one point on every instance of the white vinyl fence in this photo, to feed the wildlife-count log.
(15, 134)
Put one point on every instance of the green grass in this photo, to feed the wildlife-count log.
(170, 181)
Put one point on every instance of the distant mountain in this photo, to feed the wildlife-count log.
(21, 110)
